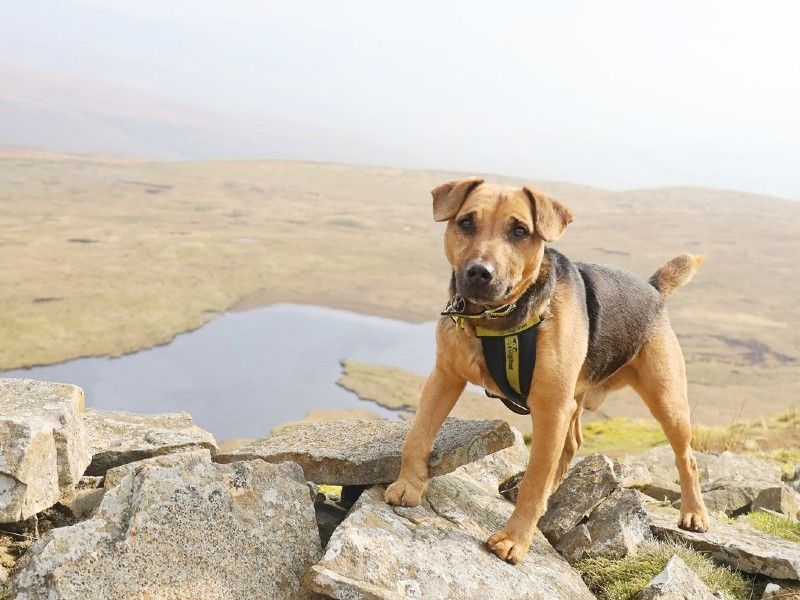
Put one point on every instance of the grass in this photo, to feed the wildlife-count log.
(777, 525)
(619, 435)
(623, 578)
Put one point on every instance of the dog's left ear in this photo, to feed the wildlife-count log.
(448, 197)
(550, 217)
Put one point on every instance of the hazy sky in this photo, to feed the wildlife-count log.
(617, 94)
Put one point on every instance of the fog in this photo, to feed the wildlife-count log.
(615, 94)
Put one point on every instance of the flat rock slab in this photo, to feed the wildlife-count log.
(437, 550)
(43, 445)
(117, 438)
(188, 457)
(362, 452)
(245, 530)
(737, 545)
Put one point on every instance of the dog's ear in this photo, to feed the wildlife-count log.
(448, 197)
(550, 217)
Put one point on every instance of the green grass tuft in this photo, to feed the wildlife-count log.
(619, 435)
(624, 578)
(779, 526)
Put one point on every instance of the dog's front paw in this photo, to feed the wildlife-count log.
(694, 520)
(404, 492)
(509, 546)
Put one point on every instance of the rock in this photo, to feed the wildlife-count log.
(353, 452)
(436, 550)
(616, 528)
(245, 530)
(189, 457)
(717, 471)
(735, 544)
(83, 503)
(509, 488)
(731, 501)
(637, 476)
(117, 438)
(329, 517)
(773, 590)
(586, 485)
(43, 447)
(676, 582)
(3, 578)
(491, 470)
(779, 499)
(90, 482)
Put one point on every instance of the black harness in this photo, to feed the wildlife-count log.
(510, 354)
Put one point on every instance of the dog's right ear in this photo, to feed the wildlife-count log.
(448, 197)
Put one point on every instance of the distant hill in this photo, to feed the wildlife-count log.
(105, 256)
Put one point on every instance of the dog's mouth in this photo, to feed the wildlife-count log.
(486, 296)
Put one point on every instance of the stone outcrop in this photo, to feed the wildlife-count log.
(43, 447)
(244, 530)
(779, 499)
(733, 544)
(730, 482)
(437, 550)
(117, 438)
(584, 487)
(187, 457)
(362, 452)
(616, 528)
(676, 582)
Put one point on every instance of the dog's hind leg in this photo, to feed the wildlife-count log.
(660, 379)
(571, 446)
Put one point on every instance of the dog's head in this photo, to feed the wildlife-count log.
(495, 236)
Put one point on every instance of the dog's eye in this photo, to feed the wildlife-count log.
(466, 224)
(519, 231)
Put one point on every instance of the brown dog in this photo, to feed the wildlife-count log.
(601, 328)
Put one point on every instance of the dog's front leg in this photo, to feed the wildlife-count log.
(550, 425)
(439, 395)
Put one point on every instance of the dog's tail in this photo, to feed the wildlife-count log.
(675, 273)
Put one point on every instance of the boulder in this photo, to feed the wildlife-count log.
(83, 503)
(676, 582)
(367, 452)
(734, 544)
(117, 438)
(732, 501)
(779, 499)
(245, 530)
(616, 528)
(43, 447)
(188, 457)
(585, 486)
(437, 550)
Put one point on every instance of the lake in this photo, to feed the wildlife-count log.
(245, 372)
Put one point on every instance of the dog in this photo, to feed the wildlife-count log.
(600, 328)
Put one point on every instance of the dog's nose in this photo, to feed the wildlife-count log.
(479, 273)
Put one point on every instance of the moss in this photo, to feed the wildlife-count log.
(330, 489)
(623, 578)
(618, 435)
(786, 458)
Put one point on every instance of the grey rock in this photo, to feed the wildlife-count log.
(367, 452)
(780, 499)
(90, 482)
(732, 501)
(716, 471)
(637, 476)
(509, 488)
(245, 530)
(676, 582)
(585, 486)
(773, 590)
(616, 528)
(329, 516)
(436, 550)
(187, 458)
(83, 503)
(43, 447)
(117, 438)
(491, 470)
(734, 544)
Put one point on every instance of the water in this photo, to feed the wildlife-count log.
(245, 372)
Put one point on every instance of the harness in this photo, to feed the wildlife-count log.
(510, 354)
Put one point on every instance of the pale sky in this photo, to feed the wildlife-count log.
(616, 94)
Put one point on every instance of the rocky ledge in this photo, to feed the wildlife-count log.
(114, 505)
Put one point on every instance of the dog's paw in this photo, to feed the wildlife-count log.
(404, 493)
(511, 548)
(694, 520)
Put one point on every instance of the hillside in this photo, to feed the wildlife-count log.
(106, 256)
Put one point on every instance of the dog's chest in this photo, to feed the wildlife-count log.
(466, 358)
